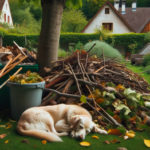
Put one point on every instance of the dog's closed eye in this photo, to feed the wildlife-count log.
(81, 126)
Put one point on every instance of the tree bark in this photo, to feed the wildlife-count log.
(52, 11)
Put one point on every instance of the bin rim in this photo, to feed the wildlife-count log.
(27, 85)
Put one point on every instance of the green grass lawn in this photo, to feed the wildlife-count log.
(18, 142)
(139, 70)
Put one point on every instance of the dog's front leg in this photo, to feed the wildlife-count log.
(63, 127)
(98, 130)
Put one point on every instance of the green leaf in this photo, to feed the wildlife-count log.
(123, 107)
(83, 99)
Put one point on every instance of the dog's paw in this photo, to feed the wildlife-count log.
(98, 130)
(73, 134)
(63, 134)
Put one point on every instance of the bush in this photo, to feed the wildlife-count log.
(147, 69)
(73, 21)
(3, 32)
(116, 40)
(147, 37)
(103, 48)
(67, 38)
(19, 39)
(62, 53)
(146, 60)
(124, 40)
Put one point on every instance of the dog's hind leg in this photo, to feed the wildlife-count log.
(51, 126)
(63, 127)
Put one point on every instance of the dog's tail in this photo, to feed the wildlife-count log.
(49, 136)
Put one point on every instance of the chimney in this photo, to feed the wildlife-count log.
(123, 6)
(134, 5)
(116, 4)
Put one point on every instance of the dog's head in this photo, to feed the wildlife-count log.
(82, 125)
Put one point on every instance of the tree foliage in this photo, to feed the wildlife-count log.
(73, 21)
(24, 20)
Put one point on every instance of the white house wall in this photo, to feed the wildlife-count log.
(118, 25)
(6, 10)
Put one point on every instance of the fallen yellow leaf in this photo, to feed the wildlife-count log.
(6, 142)
(2, 126)
(44, 141)
(147, 142)
(95, 137)
(120, 87)
(130, 134)
(2, 136)
(84, 143)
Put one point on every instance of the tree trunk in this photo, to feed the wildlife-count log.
(50, 32)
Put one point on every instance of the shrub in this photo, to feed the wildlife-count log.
(3, 32)
(67, 38)
(124, 40)
(62, 53)
(103, 48)
(116, 40)
(20, 39)
(147, 69)
(73, 21)
(146, 60)
(147, 37)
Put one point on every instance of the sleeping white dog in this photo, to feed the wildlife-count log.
(50, 122)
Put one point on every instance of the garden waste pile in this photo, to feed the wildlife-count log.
(114, 95)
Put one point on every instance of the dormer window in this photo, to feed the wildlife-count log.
(107, 11)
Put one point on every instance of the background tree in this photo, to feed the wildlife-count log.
(24, 20)
(73, 21)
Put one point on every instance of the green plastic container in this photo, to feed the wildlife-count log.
(24, 96)
(4, 92)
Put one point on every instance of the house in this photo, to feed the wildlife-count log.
(5, 13)
(119, 19)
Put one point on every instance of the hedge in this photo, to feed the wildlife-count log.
(124, 40)
(116, 40)
(19, 39)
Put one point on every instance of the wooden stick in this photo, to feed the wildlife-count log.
(10, 77)
(75, 79)
(16, 58)
(99, 69)
(66, 94)
(19, 48)
(78, 59)
(91, 47)
(70, 82)
(5, 67)
(9, 64)
(14, 65)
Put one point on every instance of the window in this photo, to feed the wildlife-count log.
(4, 17)
(8, 19)
(108, 26)
(106, 10)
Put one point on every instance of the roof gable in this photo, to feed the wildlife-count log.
(115, 11)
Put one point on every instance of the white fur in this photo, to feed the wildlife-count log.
(50, 122)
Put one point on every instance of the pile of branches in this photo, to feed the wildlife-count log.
(76, 79)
